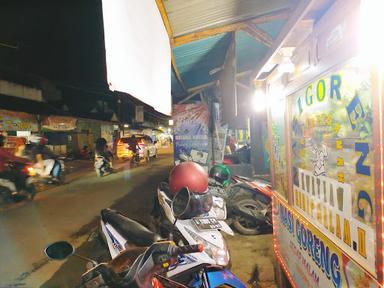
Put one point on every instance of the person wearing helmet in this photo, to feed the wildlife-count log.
(221, 173)
(191, 176)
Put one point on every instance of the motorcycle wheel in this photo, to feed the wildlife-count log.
(6, 195)
(62, 177)
(31, 189)
(245, 226)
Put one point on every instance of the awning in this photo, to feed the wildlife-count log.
(59, 123)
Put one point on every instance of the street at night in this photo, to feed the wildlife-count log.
(191, 144)
(70, 212)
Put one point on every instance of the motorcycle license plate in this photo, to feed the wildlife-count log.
(207, 223)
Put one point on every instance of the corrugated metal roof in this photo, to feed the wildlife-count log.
(249, 51)
(186, 16)
(194, 60)
(175, 86)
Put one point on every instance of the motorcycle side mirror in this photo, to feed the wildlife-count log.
(180, 202)
(59, 250)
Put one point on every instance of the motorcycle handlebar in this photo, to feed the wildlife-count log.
(187, 249)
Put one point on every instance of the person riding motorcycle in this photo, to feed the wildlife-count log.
(101, 149)
(134, 147)
(191, 176)
(44, 158)
(11, 180)
(103, 158)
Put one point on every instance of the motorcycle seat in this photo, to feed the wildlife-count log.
(134, 232)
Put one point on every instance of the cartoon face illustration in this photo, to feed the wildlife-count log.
(319, 159)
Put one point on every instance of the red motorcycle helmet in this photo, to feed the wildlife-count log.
(192, 176)
(188, 175)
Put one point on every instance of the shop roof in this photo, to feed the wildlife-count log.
(194, 15)
(200, 34)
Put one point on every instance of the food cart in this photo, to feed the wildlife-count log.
(325, 126)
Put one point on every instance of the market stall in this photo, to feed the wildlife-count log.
(325, 125)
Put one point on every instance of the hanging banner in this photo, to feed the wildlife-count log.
(59, 123)
(312, 259)
(17, 121)
(219, 135)
(191, 132)
(333, 167)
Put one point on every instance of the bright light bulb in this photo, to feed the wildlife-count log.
(370, 29)
(259, 101)
(286, 66)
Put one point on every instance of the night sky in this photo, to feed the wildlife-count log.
(58, 40)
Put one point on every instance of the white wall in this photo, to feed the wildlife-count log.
(138, 51)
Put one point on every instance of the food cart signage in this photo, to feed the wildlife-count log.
(59, 123)
(312, 259)
(332, 164)
(17, 121)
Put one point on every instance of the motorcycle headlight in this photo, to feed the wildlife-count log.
(219, 255)
(31, 171)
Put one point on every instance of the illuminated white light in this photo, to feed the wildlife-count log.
(126, 125)
(286, 65)
(259, 101)
(170, 122)
(370, 30)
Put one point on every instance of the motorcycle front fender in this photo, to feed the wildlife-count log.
(225, 228)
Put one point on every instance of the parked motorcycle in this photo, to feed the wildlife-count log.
(205, 229)
(161, 265)
(102, 166)
(24, 173)
(249, 204)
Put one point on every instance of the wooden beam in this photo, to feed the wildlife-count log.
(277, 15)
(202, 87)
(242, 85)
(212, 83)
(190, 96)
(164, 16)
(297, 14)
(195, 36)
(198, 35)
(259, 34)
(177, 73)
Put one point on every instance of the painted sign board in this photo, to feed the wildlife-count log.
(333, 179)
(59, 123)
(311, 258)
(327, 236)
(191, 132)
(17, 121)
